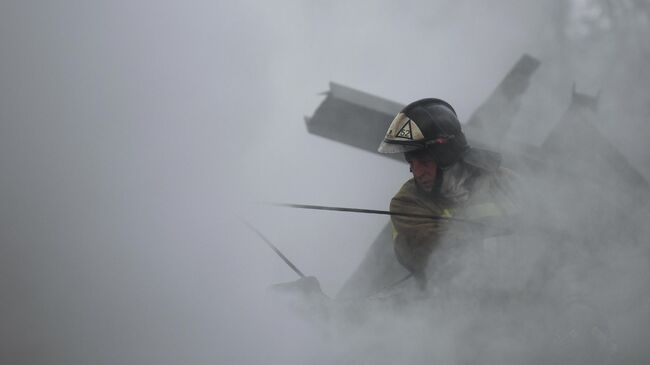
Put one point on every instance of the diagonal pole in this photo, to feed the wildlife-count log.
(276, 250)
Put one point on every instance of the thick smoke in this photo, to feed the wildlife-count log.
(134, 138)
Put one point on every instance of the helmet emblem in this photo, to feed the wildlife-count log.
(405, 131)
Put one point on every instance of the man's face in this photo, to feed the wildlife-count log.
(424, 171)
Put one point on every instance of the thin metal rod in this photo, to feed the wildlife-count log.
(374, 211)
(275, 249)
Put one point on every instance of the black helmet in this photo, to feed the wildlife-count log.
(426, 128)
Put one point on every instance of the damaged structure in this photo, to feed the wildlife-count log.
(359, 119)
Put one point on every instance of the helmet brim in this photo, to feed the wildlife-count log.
(388, 147)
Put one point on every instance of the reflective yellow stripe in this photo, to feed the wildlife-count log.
(395, 233)
(484, 210)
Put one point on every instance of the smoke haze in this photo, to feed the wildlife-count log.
(135, 136)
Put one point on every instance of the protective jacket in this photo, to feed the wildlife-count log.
(486, 197)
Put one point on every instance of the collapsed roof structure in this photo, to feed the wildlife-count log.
(359, 119)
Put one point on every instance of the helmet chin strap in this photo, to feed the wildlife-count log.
(439, 176)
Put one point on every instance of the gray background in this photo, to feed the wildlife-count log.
(134, 135)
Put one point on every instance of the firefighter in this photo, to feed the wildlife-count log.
(450, 179)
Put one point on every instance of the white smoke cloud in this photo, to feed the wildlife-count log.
(134, 136)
